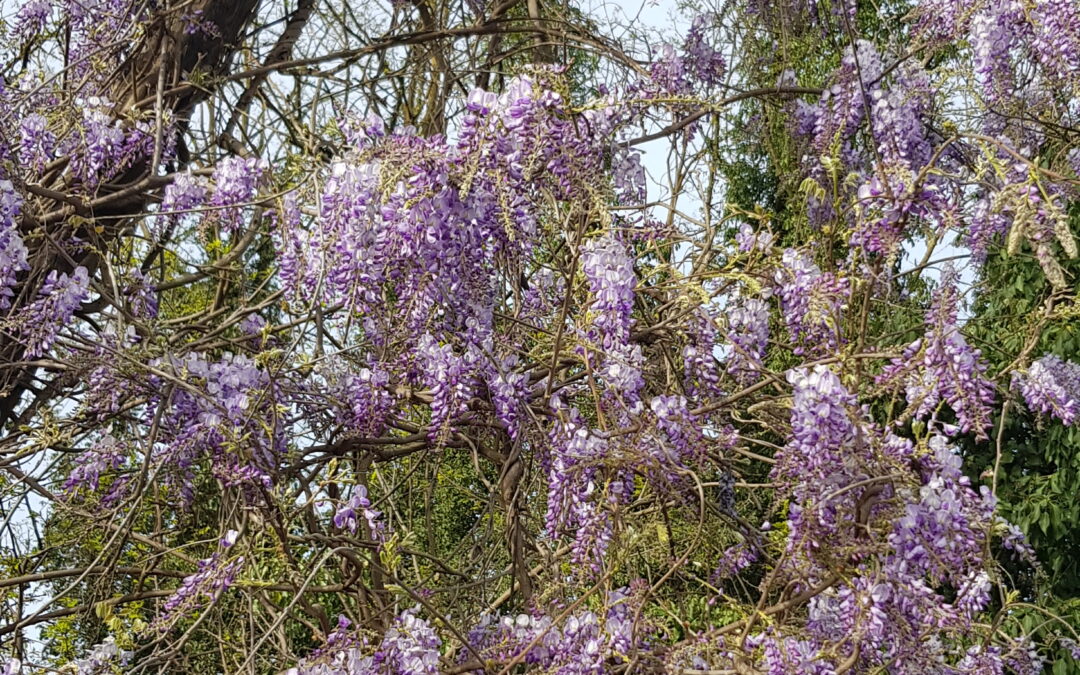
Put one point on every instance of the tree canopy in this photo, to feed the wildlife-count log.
(499, 336)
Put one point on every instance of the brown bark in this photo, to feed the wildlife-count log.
(510, 491)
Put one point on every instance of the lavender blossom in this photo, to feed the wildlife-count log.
(1051, 386)
(749, 240)
(214, 576)
(610, 271)
(104, 658)
(39, 323)
(32, 17)
(811, 302)
(12, 249)
(103, 144)
(37, 142)
(449, 376)
(184, 193)
(509, 395)
(107, 455)
(235, 425)
(702, 374)
(941, 366)
(748, 331)
(236, 182)
(345, 517)
(367, 400)
(410, 647)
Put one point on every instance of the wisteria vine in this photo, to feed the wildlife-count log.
(455, 385)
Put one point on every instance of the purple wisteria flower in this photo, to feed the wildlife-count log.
(812, 303)
(100, 148)
(39, 323)
(214, 576)
(681, 442)
(993, 33)
(107, 455)
(509, 394)
(1051, 386)
(701, 370)
(942, 366)
(236, 182)
(748, 332)
(1072, 646)
(749, 240)
(410, 647)
(450, 379)
(32, 17)
(628, 177)
(676, 72)
(12, 249)
(141, 295)
(37, 142)
(734, 559)
(704, 62)
(104, 657)
(346, 519)
(367, 400)
(229, 417)
(1055, 38)
(185, 193)
(942, 532)
(586, 643)
(609, 270)
(575, 503)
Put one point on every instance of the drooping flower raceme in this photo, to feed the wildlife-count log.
(942, 366)
(215, 575)
(575, 501)
(811, 302)
(1051, 386)
(824, 433)
(235, 427)
(586, 643)
(32, 17)
(610, 271)
(450, 377)
(677, 71)
(185, 193)
(236, 182)
(104, 657)
(37, 143)
(509, 394)
(99, 153)
(410, 647)
(107, 455)
(748, 240)
(39, 323)
(701, 371)
(748, 331)
(12, 249)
